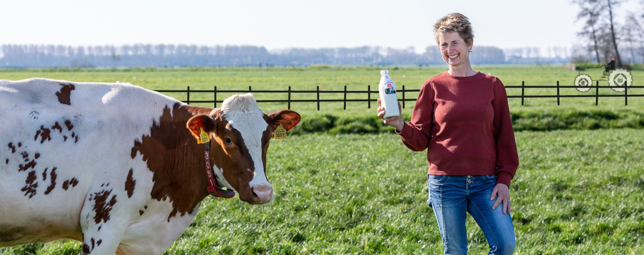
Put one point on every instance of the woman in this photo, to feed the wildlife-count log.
(462, 118)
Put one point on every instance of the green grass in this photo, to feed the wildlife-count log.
(335, 78)
(576, 192)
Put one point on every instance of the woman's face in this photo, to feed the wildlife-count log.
(453, 48)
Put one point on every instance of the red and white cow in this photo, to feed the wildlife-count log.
(119, 167)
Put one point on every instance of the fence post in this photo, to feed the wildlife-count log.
(557, 93)
(368, 96)
(597, 93)
(289, 97)
(522, 91)
(403, 96)
(215, 92)
(625, 94)
(345, 97)
(318, 98)
(188, 96)
(249, 89)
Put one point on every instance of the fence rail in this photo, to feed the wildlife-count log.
(403, 98)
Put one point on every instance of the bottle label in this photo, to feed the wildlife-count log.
(390, 89)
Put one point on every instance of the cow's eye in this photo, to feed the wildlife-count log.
(228, 140)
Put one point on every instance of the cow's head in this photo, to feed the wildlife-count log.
(240, 133)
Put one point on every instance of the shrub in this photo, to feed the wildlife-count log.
(521, 120)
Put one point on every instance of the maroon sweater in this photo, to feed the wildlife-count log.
(465, 125)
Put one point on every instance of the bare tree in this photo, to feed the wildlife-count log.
(611, 3)
(591, 11)
(595, 11)
(631, 32)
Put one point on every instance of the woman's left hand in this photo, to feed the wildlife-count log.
(503, 193)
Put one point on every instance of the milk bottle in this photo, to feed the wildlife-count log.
(388, 97)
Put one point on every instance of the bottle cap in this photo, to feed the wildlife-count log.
(384, 72)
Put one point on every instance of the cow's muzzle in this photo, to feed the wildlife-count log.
(262, 194)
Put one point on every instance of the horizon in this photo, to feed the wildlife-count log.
(284, 24)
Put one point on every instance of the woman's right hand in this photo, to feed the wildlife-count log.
(396, 121)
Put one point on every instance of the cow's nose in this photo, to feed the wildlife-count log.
(264, 194)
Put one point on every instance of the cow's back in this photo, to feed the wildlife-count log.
(65, 144)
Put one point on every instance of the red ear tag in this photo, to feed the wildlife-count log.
(203, 137)
(280, 132)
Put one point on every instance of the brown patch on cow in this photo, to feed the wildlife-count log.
(75, 136)
(25, 156)
(53, 181)
(12, 147)
(73, 182)
(175, 159)
(30, 184)
(23, 167)
(7, 161)
(87, 249)
(129, 184)
(103, 204)
(57, 126)
(69, 125)
(44, 174)
(44, 133)
(141, 212)
(64, 95)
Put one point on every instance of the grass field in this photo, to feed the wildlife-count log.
(335, 78)
(576, 192)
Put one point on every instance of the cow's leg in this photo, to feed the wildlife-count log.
(102, 221)
(154, 232)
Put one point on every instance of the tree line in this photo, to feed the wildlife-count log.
(606, 34)
(169, 55)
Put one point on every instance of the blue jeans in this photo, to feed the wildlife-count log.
(451, 196)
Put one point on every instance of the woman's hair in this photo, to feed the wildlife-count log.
(455, 22)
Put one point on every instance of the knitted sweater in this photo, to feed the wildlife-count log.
(465, 125)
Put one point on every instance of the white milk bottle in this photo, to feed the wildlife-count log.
(388, 97)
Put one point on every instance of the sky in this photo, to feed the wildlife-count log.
(278, 24)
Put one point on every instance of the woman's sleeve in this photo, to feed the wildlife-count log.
(507, 158)
(417, 132)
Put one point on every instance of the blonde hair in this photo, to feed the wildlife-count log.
(455, 22)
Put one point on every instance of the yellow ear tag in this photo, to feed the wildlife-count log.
(280, 133)
(203, 137)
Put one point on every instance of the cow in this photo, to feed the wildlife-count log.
(121, 168)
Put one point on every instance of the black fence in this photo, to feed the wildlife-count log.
(403, 98)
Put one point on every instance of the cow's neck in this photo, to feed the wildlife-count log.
(175, 159)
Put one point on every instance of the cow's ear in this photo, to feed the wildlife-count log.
(287, 118)
(196, 123)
